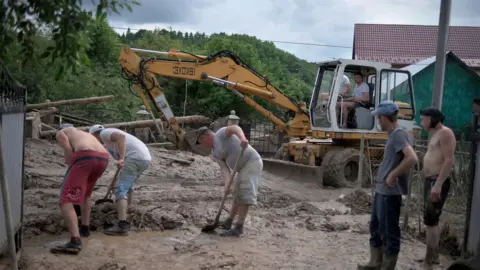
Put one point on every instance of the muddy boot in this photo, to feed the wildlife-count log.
(84, 230)
(227, 224)
(72, 247)
(376, 256)
(121, 228)
(236, 231)
(389, 261)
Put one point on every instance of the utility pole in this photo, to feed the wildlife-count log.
(442, 39)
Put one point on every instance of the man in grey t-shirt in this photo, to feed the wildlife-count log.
(226, 145)
(392, 181)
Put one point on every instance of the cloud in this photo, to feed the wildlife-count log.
(328, 22)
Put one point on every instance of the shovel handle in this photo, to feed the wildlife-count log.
(114, 181)
(232, 176)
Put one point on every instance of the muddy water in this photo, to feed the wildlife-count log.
(295, 225)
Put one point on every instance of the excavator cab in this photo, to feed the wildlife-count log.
(370, 83)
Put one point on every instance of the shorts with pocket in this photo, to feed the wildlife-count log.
(245, 188)
(86, 168)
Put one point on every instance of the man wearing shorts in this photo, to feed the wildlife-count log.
(437, 166)
(87, 160)
(226, 145)
(133, 158)
(392, 182)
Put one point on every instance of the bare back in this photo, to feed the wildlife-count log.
(434, 159)
(80, 140)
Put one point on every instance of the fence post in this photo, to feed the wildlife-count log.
(8, 210)
(360, 159)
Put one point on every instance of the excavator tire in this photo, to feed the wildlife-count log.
(341, 167)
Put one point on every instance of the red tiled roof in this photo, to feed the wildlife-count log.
(407, 44)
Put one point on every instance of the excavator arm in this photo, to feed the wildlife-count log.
(222, 68)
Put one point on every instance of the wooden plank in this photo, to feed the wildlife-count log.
(142, 123)
(69, 102)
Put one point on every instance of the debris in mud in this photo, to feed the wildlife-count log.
(102, 216)
(326, 226)
(334, 226)
(112, 266)
(268, 198)
(358, 200)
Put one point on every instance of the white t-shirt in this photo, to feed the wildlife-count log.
(360, 89)
(345, 82)
(135, 149)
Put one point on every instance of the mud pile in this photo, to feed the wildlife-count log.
(359, 201)
(159, 203)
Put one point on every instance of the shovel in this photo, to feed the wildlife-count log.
(78, 209)
(211, 227)
(107, 197)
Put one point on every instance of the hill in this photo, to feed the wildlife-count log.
(293, 76)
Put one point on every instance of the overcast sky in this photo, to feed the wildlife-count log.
(310, 21)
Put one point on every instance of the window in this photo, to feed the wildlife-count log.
(396, 85)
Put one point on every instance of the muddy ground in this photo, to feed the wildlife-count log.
(295, 226)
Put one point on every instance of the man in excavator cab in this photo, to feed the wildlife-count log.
(361, 98)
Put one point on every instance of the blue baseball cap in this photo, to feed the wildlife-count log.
(386, 108)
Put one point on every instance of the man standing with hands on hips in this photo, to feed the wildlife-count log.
(392, 181)
(133, 158)
(437, 166)
(226, 145)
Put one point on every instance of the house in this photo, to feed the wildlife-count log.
(461, 88)
(402, 45)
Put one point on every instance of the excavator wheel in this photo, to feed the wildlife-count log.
(281, 166)
(341, 166)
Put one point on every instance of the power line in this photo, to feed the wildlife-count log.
(309, 44)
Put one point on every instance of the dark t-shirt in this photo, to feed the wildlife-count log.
(393, 155)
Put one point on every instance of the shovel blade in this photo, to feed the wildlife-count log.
(102, 201)
(209, 228)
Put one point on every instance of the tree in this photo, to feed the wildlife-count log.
(64, 21)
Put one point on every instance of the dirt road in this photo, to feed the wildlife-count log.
(295, 226)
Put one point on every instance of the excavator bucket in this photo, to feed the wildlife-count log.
(294, 171)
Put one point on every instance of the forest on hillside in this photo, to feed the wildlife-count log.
(102, 76)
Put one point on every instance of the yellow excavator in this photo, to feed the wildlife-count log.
(320, 149)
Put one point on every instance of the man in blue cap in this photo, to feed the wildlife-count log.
(392, 181)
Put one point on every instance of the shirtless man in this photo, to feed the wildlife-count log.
(87, 159)
(226, 145)
(437, 165)
(361, 96)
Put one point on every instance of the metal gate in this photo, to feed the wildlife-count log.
(12, 122)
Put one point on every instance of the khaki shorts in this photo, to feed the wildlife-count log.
(245, 189)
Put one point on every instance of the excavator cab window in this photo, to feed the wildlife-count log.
(322, 93)
(396, 85)
(362, 88)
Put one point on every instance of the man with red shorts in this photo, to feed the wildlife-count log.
(87, 159)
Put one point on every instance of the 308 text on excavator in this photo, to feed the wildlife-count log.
(184, 71)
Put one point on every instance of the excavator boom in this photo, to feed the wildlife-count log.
(225, 69)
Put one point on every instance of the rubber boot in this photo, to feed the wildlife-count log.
(389, 261)
(375, 262)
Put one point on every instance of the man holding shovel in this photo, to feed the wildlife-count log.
(133, 158)
(87, 160)
(226, 145)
